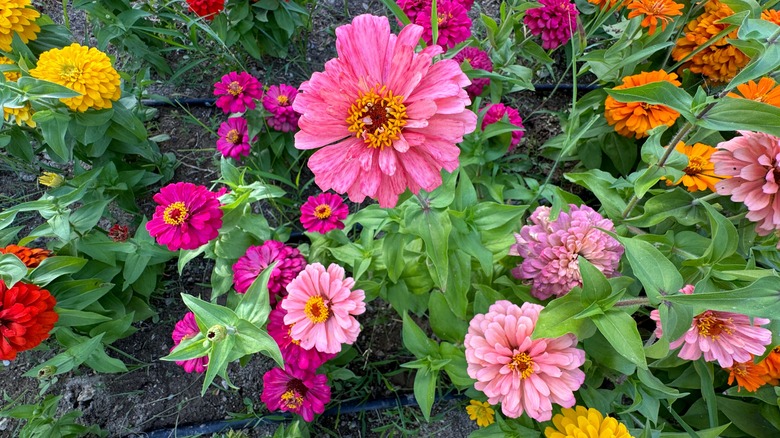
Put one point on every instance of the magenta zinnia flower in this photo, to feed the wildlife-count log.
(278, 101)
(321, 308)
(234, 138)
(187, 328)
(725, 337)
(412, 8)
(478, 59)
(555, 21)
(386, 118)
(257, 258)
(454, 23)
(523, 375)
(187, 216)
(323, 213)
(551, 249)
(495, 112)
(292, 352)
(237, 92)
(295, 390)
(751, 165)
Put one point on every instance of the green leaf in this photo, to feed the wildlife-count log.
(254, 305)
(595, 286)
(54, 267)
(600, 183)
(706, 379)
(12, 269)
(78, 294)
(676, 204)
(434, 227)
(444, 323)
(251, 339)
(218, 362)
(759, 299)
(731, 114)
(657, 93)
(78, 318)
(620, 330)
(621, 150)
(70, 358)
(557, 318)
(425, 390)
(724, 238)
(207, 314)
(39, 88)
(657, 274)
(415, 340)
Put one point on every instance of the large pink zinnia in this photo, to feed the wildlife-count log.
(292, 352)
(523, 375)
(321, 308)
(453, 22)
(551, 249)
(278, 101)
(187, 216)
(386, 118)
(237, 92)
(751, 164)
(295, 390)
(725, 337)
(478, 59)
(495, 112)
(555, 21)
(187, 328)
(257, 258)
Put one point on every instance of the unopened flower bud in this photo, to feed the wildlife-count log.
(47, 371)
(216, 333)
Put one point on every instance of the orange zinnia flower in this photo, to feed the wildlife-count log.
(700, 172)
(720, 61)
(655, 11)
(606, 4)
(748, 375)
(31, 257)
(766, 90)
(771, 15)
(771, 365)
(636, 118)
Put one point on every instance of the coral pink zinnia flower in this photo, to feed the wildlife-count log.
(26, 317)
(495, 112)
(751, 160)
(551, 249)
(523, 375)
(725, 337)
(234, 138)
(278, 101)
(292, 352)
(187, 216)
(478, 59)
(386, 118)
(187, 328)
(237, 92)
(257, 258)
(323, 213)
(295, 390)
(453, 19)
(321, 308)
(555, 21)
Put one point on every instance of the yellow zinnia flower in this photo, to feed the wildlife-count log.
(10, 76)
(481, 412)
(20, 115)
(700, 172)
(51, 179)
(16, 17)
(582, 422)
(85, 70)
(636, 118)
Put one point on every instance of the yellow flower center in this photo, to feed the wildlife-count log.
(523, 364)
(233, 136)
(322, 211)
(70, 73)
(316, 310)
(711, 326)
(377, 117)
(234, 88)
(282, 99)
(175, 214)
(292, 399)
(695, 165)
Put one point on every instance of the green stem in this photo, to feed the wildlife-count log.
(639, 301)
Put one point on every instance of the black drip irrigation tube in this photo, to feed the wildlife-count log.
(213, 427)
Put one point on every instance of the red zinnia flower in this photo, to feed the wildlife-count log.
(119, 233)
(207, 9)
(26, 318)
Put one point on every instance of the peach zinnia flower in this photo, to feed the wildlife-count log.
(31, 257)
(321, 308)
(383, 117)
(748, 375)
(636, 118)
(766, 90)
(522, 374)
(654, 12)
(700, 171)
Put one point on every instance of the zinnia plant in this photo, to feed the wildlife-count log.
(496, 112)
(187, 216)
(478, 59)
(26, 317)
(234, 138)
(323, 213)
(636, 118)
(257, 258)
(278, 101)
(295, 390)
(187, 328)
(555, 21)
(581, 421)
(238, 92)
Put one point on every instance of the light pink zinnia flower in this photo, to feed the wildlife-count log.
(523, 375)
(323, 213)
(187, 328)
(751, 163)
(295, 390)
(234, 138)
(453, 19)
(495, 112)
(655, 315)
(725, 337)
(551, 249)
(478, 59)
(278, 101)
(321, 306)
(292, 352)
(386, 118)
(237, 92)
(257, 258)
(187, 216)
(555, 21)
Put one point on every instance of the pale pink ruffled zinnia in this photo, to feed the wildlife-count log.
(321, 308)
(383, 117)
(551, 249)
(751, 164)
(523, 375)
